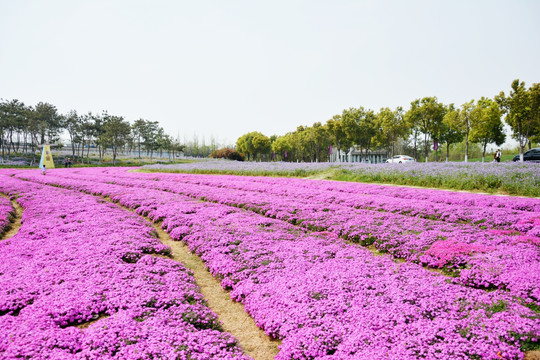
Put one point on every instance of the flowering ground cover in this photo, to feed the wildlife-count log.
(325, 297)
(484, 241)
(511, 178)
(78, 281)
(6, 214)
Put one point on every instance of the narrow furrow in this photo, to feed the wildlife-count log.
(15, 221)
(232, 315)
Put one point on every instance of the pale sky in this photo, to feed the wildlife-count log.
(226, 67)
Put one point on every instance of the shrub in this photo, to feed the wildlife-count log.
(227, 153)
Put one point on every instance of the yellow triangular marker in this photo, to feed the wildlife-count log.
(46, 158)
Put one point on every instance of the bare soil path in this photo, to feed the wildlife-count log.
(15, 223)
(232, 314)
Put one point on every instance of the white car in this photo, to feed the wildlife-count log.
(400, 159)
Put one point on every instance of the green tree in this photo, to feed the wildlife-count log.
(337, 134)
(116, 133)
(73, 124)
(245, 144)
(520, 114)
(88, 134)
(151, 132)
(452, 130)
(261, 145)
(486, 126)
(13, 115)
(317, 142)
(464, 123)
(359, 125)
(391, 126)
(138, 128)
(534, 93)
(281, 146)
(49, 122)
(425, 116)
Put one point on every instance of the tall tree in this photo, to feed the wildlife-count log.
(337, 134)
(316, 138)
(519, 113)
(534, 93)
(261, 145)
(116, 133)
(487, 126)
(73, 124)
(391, 126)
(426, 115)
(464, 122)
(150, 135)
(282, 146)
(138, 129)
(12, 117)
(49, 122)
(359, 125)
(452, 129)
(245, 144)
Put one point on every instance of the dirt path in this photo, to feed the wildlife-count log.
(532, 355)
(232, 315)
(235, 320)
(16, 222)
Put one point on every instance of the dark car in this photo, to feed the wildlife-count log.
(531, 155)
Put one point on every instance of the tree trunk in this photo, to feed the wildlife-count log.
(467, 145)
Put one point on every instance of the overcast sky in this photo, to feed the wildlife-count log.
(223, 68)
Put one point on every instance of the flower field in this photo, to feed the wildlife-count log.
(510, 178)
(336, 270)
(77, 259)
(6, 213)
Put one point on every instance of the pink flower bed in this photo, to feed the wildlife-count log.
(498, 235)
(6, 213)
(77, 259)
(326, 298)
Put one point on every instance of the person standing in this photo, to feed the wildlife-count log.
(44, 169)
(498, 155)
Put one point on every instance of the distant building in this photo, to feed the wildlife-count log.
(355, 155)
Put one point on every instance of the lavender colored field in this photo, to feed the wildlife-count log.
(280, 246)
(77, 282)
(511, 178)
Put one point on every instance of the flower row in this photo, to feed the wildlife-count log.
(327, 298)
(79, 281)
(6, 214)
(514, 178)
(484, 256)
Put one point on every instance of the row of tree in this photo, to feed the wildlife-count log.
(23, 129)
(424, 127)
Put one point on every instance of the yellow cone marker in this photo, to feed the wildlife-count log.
(46, 158)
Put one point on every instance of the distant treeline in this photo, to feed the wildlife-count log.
(24, 128)
(426, 126)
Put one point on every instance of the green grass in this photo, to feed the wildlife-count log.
(299, 173)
